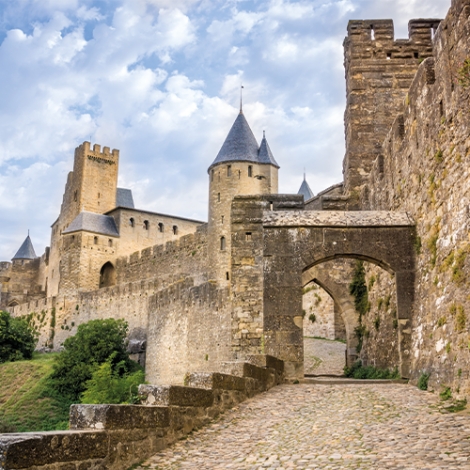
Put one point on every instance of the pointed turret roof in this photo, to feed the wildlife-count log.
(265, 155)
(26, 250)
(305, 190)
(241, 145)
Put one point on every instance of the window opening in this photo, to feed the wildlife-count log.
(227, 276)
(389, 55)
(95, 240)
(110, 242)
(175, 230)
(146, 224)
(222, 219)
(250, 171)
(160, 227)
(218, 197)
(248, 236)
(222, 243)
(229, 170)
(372, 32)
(131, 222)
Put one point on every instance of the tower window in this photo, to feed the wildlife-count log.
(110, 242)
(95, 240)
(222, 219)
(175, 230)
(99, 195)
(389, 55)
(146, 224)
(218, 197)
(75, 195)
(229, 170)
(227, 276)
(160, 227)
(222, 243)
(248, 235)
(250, 171)
(131, 222)
(372, 32)
(212, 175)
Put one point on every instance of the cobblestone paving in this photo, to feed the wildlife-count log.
(323, 356)
(307, 426)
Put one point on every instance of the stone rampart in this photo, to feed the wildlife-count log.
(422, 169)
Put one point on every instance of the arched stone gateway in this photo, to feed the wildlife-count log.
(286, 241)
(107, 275)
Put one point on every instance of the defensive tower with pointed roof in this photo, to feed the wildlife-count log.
(242, 167)
(26, 251)
(305, 190)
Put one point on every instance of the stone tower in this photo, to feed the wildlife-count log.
(240, 168)
(379, 72)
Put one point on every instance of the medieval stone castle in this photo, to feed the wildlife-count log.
(200, 294)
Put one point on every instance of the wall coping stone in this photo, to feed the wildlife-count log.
(175, 395)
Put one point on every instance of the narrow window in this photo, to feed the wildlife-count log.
(271, 205)
(99, 195)
(212, 175)
(175, 230)
(218, 175)
(75, 195)
(389, 55)
(229, 170)
(222, 243)
(160, 227)
(372, 32)
(222, 219)
(146, 224)
(441, 108)
(248, 236)
(110, 242)
(416, 55)
(73, 237)
(227, 276)
(132, 222)
(95, 240)
(250, 171)
(218, 197)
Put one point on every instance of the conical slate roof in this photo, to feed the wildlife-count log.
(241, 145)
(26, 250)
(305, 190)
(265, 155)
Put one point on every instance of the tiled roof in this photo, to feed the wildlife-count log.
(305, 190)
(91, 222)
(26, 250)
(124, 198)
(241, 145)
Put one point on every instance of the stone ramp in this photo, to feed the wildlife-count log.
(368, 426)
(323, 356)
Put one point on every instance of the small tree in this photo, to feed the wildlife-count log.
(17, 338)
(96, 342)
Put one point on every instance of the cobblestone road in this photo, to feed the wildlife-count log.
(309, 426)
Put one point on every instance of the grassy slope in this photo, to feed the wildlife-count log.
(25, 404)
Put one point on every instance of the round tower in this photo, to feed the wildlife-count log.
(240, 168)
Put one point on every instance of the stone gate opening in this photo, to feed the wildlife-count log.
(107, 275)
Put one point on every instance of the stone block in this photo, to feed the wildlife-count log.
(216, 381)
(118, 417)
(175, 395)
(32, 450)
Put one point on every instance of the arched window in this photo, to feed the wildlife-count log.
(110, 242)
(107, 275)
(222, 243)
(175, 230)
(250, 171)
(146, 224)
(13, 303)
(132, 222)
(95, 240)
(160, 227)
(229, 170)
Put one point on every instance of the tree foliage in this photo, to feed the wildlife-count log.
(96, 342)
(17, 338)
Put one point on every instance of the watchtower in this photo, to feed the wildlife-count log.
(379, 72)
(240, 168)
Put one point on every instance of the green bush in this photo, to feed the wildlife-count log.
(17, 338)
(95, 343)
(108, 386)
(358, 371)
(423, 381)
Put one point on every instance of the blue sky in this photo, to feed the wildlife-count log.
(160, 80)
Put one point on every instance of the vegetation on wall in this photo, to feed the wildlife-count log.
(358, 289)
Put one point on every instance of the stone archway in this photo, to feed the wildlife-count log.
(107, 275)
(267, 268)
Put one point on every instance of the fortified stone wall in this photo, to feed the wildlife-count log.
(423, 170)
(379, 72)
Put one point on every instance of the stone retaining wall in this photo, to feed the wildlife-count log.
(115, 437)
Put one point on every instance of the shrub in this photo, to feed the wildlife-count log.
(423, 381)
(17, 338)
(312, 318)
(95, 343)
(108, 386)
(358, 371)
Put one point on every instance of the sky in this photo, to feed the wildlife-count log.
(160, 81)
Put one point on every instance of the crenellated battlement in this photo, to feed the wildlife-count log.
(106, 154)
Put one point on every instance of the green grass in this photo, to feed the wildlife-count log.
(26, 403)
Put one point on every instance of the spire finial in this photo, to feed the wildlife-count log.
(28, 232)
(241, 99)
(264, 134)
(304, 174)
